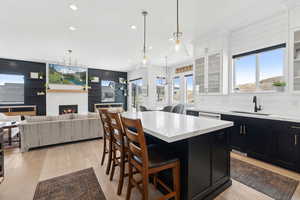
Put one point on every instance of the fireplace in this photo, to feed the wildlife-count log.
(68, 109)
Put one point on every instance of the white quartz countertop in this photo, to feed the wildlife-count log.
(230, 112)
(172, 127)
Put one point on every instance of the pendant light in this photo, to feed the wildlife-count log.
(178, 36)
(145, 58)
(166, 81)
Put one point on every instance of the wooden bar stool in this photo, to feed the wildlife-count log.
(148, 162)
(107, 138)
(119, 145)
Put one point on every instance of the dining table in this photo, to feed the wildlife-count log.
(200, 143)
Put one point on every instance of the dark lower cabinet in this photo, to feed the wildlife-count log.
(272, 141)
(258, 135)
(286, 146)
(220, 167)
(237, 137)
(1, 156)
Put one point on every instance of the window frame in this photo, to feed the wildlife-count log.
(173, 89)
(186, 90)
(257, 68)
(165, 89)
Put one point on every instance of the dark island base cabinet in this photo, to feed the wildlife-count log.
(276, 142)
(205, 165)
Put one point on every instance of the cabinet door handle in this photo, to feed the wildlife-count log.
(245, 133)
(295, 127)
(296, 140)
(241, 129)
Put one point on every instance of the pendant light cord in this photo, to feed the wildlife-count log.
(144, 13)
(177, 16)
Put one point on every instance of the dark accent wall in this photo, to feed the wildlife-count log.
(32, 86)
(94, 95)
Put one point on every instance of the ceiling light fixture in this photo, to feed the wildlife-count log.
(178, 36)
(145, 59)
(72, 28)
(133, 27)
(73, 7)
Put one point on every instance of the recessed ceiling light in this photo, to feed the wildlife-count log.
(150, 47)
(72, 28)
(171, 39)
(133, 27)
(73, 7)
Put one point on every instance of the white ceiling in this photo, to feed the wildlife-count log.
(39, 29)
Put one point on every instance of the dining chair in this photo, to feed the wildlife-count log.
(148, 163)
(107, 138)
(167, 109)
(143, 109)
(179, 108)
(120, 148)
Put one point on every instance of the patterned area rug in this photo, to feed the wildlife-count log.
(81, 185)
(274, 185)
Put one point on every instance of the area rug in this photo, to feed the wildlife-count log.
(80, 185)
(274, 185)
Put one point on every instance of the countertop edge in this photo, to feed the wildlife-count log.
(270, 117)
(189, 135)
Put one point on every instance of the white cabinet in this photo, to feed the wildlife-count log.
(295, 60)
(208, 74)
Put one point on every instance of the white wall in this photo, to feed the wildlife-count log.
(271, 31)
(268, 32)
(53, 100)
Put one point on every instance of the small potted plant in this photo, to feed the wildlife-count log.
(279, 86)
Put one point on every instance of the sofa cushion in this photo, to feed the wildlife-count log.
(38, 118)
(93, 115)
(78, 116)
(62, 117)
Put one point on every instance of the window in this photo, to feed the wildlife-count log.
(11, 89)
(136, 92)
(108, 91)
(189, 99)
(176, 89)
(256, 71)
(160, 89)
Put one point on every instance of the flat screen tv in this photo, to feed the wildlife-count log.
(68, 75)
(11, 89)
(108, 91)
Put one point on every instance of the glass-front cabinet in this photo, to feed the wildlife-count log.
(208, 74)
(296, 60)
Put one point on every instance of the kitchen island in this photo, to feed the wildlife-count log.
(201, 144)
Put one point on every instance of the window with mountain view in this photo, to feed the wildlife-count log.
(258, 71)
(176, 89)
(11, 89)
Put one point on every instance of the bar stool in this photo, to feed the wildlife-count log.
(148, 162)
(107, 138)
(119, 146)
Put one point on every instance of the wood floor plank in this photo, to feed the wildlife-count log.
(24, 170)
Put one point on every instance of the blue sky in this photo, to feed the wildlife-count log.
(271, 65)
(189, 82)
(8, 78)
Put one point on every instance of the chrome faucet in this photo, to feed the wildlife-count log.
(256, 108)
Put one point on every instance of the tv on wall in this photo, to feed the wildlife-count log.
(11, 89)
(108, 91)
(68, 75)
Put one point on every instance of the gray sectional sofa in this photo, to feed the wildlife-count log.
(38, 131)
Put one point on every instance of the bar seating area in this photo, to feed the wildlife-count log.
(126, 146)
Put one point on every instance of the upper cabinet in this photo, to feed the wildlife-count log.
(296, 60)
(208, 74)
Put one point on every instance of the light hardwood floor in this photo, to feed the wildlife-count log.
(24, 170)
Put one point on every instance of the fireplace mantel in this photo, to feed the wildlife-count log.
(66, 91)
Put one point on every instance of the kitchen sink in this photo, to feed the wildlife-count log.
(251, 113)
